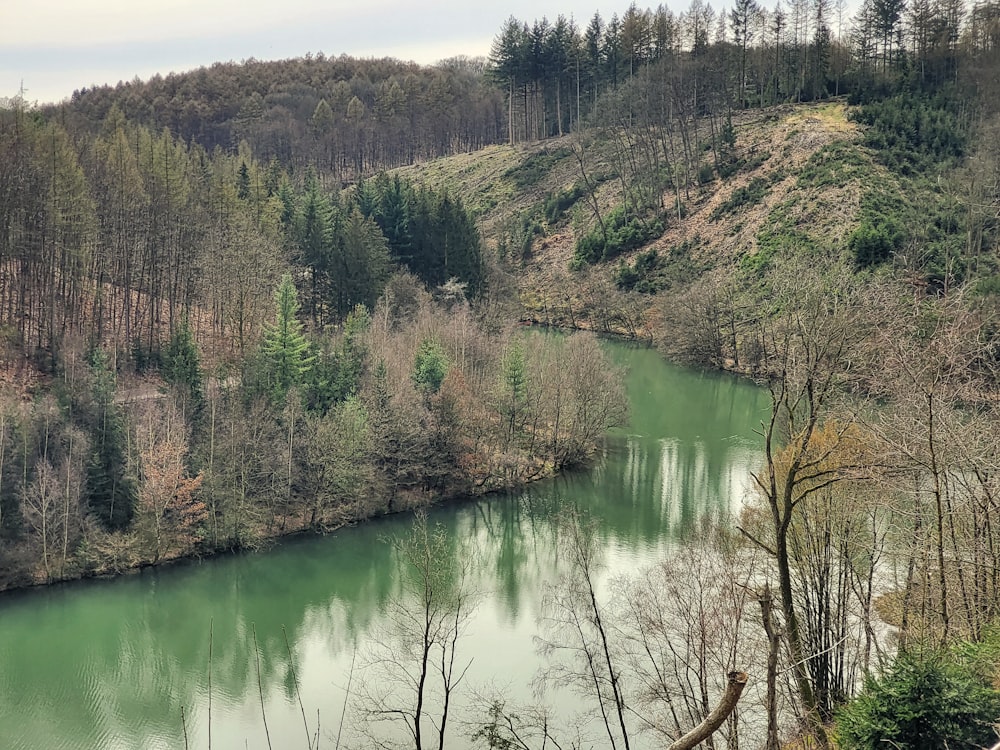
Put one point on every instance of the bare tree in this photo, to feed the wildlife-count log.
(169, 512)
(578, 640)
(414, 661)
(648, 656)
(805, 353)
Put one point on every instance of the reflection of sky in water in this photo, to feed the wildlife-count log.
(109, 665)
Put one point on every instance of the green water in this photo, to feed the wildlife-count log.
(112, 664)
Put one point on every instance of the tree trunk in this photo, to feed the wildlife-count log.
(734, 688)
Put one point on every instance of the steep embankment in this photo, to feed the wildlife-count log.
(796, 178)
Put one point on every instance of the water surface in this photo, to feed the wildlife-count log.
(115, 664)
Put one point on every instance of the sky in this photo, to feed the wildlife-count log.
(54, 47)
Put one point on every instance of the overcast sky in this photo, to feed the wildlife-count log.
(57, 46)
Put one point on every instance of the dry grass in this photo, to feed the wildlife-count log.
(790, 134)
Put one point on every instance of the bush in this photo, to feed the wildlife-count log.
(924, 702)
(747, 196)
(874, 242)
(640, 274)
(533, 169)
(556, 204)
(913, 133)
(653, 271)
(623, 232)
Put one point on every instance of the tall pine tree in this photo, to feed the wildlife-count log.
(285, 352)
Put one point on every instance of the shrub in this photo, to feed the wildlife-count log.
(533, 169)
(924, 702)
(874, 242)
(556, 204)
(623, 231)
(912, 133)
(747, 196)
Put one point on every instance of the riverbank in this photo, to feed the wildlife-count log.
(286, 528)
(121, 657)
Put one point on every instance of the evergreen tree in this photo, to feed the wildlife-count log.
(391, 213)
(513, 390)
(182, 369)
(286, 354)
(923, 702)
(243, 182)
(110, 493)
(360, 266)
(429, 367)
(314, 236)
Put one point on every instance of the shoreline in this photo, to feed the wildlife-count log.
(270, 540)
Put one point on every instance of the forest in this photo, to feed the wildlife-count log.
(231, 308)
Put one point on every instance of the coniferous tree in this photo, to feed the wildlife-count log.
(315, 239)
(109, 491)
(429, 367)
(285, 352)
(182, 369)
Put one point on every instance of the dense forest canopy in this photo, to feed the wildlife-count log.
(343, 115)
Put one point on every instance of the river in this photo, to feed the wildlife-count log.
(124, 664)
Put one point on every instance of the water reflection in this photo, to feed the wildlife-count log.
(111, 664)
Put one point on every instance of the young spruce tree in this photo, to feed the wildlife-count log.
(286, 354)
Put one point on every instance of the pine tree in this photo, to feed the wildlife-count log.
(182, 369)
(286, 354)
(110, 493)
(314, 236)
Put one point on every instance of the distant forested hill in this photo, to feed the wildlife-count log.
(341, 114)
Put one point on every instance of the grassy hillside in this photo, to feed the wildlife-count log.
(797, 180)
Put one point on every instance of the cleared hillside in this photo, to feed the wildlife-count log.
(799, 182)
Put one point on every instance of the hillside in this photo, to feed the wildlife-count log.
(343, 115)
(802, 185)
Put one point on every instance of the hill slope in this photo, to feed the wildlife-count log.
(799, 183)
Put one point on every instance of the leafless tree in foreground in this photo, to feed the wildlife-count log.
(645, 656)
(414, 661)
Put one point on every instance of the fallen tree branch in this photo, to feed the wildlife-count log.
(737, 681)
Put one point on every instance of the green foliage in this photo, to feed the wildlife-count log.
(362, 264)
(182, 368)
(652, 271)
(243, 182)
(513, 388)
(285, 352)
(429, 232)
(912, 133)
(622, 232)
(338, 458)
(344, 249)
(874, 242)
(780, 237)
(109, 491)
(833, 165)
(429, 367)
(743, 197)
(518, 236)
(924, 702)
(637, 275)
(558, 203)
(337, 369)
(534, 168)
(988, 286)
(727, 135)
